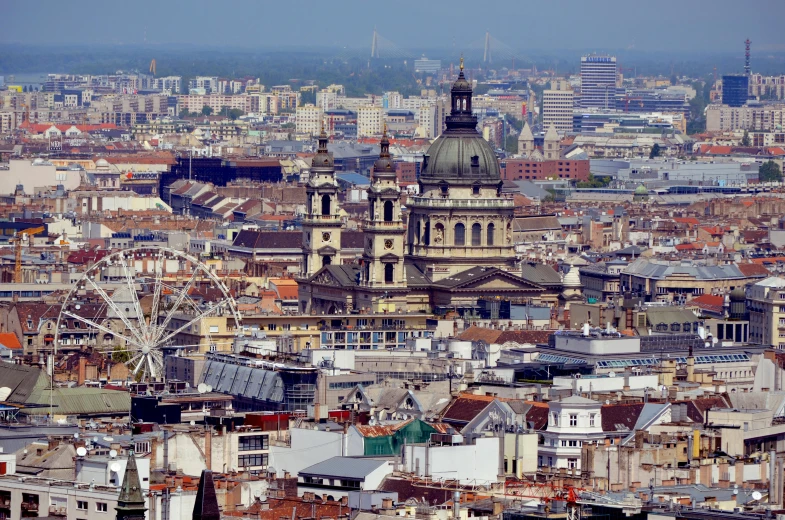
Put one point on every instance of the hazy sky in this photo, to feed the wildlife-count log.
(585, 25)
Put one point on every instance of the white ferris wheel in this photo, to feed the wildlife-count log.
(141, 301)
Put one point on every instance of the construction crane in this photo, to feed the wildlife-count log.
(19, 237)
(152, 67)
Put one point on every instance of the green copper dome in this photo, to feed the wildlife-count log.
(641, 190)
(460, 155)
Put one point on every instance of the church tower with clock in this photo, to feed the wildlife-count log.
(322, 222)
(382, 274)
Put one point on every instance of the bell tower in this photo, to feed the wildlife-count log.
(322, 223)
(382, 261)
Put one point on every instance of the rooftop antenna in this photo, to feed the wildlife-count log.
(747, 44)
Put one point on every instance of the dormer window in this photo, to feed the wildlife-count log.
(475, 187)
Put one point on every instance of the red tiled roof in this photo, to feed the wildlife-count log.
(617, 417)
(9, 340)
(753, 270)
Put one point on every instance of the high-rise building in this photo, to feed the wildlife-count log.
(557, 108)
(426, 66)
(735, 89)
(309, 119)
(369, 121)
(598, 81)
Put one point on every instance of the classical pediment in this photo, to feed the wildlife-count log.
(326, 250)
(487, 279)
(324, 277)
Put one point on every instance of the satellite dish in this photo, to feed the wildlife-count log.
(202, 388)
(76, 435)
(115, 467)
(81, 451)
(209, 388)
(193, 423)
(756, 495)
(112, 453)
(611, 374)
(108, 439)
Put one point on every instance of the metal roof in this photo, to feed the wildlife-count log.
(345, 467)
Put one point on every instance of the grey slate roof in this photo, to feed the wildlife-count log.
(344, 467)
(659, 270)
(540, 274)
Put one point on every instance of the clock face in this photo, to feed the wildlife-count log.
(388, 244)
(326, 237)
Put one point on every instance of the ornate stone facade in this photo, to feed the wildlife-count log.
(456, 249)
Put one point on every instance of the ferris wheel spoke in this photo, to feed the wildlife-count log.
(197, 318)
(162, 329)
(153, 326)
(116, 309)
(102, 328)
(129, 281)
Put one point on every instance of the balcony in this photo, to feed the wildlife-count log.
(322, 219)
(395, 225)
(58, 510)
(498, 203)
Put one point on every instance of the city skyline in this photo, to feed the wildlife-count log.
(596, 26)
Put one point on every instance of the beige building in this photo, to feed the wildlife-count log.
(681, 281)
(310, 119)
(370, 120)
(557, 109)
(766, 305)
(458, 246)
(722, 118)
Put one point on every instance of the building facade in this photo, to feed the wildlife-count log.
(598, 81)
(557, 108)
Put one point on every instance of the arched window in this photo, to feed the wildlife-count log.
(464, 104)
(460, 234)
(372, 211)
(389, 270)
(325, 204)
(426, 237)
(476, 234)
(326, 260)
(388, 211)
(417, 236)
(489, 238)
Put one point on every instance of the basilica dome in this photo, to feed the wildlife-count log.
(460, 155)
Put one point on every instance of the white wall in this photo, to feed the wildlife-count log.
(603, 384)
(472, 464)
(309, 447)
(99, 471)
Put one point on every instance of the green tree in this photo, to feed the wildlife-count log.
(745, 140)
(207, 111)
(655, 151)
(235, 113)
(511, 144)
(770, 172)
(594, 182)
(184, 114)
(121, 355)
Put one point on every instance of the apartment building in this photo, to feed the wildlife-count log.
(217, 102)
(170, 84)
(310, 119)
(326, 99)
(370, 120)
(766, 118)
(557, 109)
(766, 305)
(208, 83)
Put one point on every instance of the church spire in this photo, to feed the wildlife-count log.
(206, 507)
(131, 503)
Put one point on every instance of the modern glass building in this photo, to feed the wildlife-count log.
(598, 81)
(734, 90)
